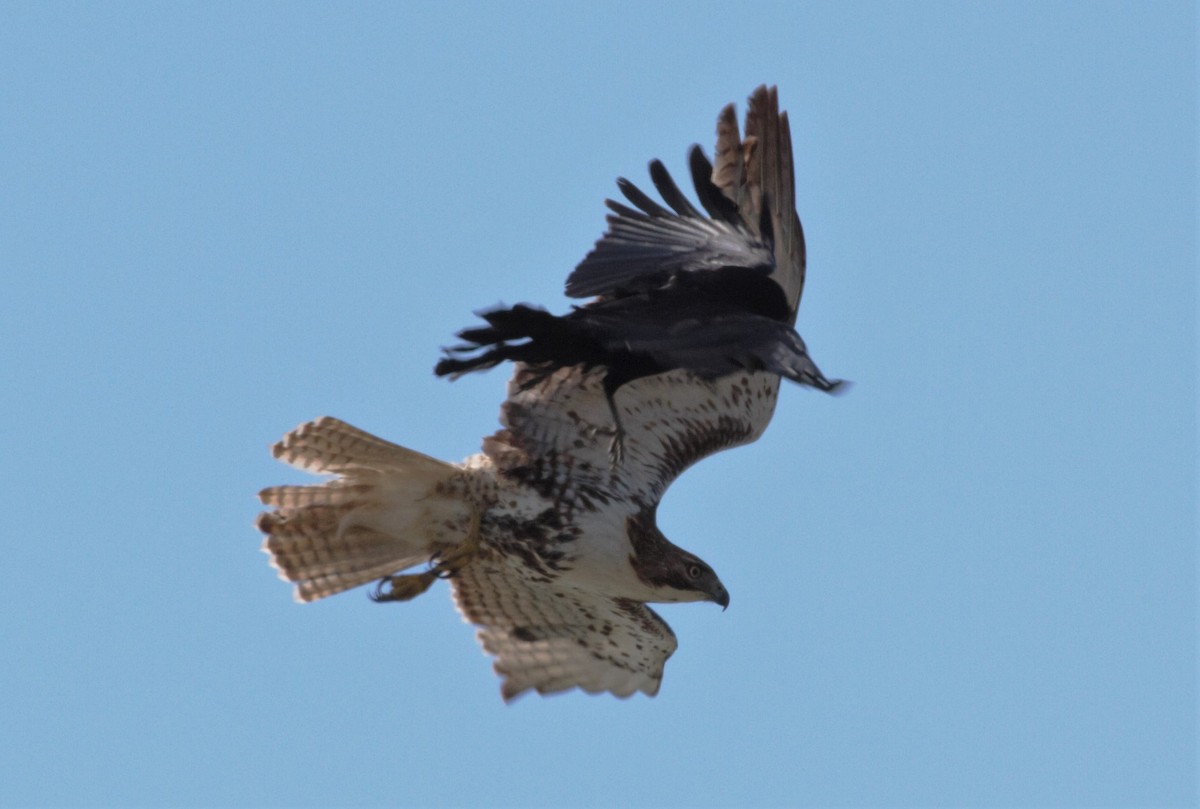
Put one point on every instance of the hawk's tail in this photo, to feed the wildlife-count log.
(389, 508)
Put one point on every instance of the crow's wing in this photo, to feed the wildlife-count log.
(749, 197)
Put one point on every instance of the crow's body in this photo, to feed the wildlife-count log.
(711, 323)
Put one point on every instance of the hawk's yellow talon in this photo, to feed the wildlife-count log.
(408, 586)
(404, 588)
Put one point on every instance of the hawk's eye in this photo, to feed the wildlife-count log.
(694, 571)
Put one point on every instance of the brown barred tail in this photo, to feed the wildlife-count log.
(386, 510)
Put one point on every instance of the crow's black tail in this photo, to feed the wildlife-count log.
(540, 331)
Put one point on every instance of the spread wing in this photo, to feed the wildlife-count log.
(750, 199)
(557, 432)
(549, 637)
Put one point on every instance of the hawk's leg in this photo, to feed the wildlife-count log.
(448, 563)
(408, 586)
(616, 447)
(404, 587)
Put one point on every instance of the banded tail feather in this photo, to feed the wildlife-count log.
(390, 508)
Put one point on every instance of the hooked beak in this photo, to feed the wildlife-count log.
(720, 596)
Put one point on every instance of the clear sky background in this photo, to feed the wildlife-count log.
(969, 582)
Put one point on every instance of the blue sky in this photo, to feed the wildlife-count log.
(969, 582)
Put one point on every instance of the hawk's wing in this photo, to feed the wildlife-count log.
(757, 173)
(549, 637)
(750, 199)
(557, 432)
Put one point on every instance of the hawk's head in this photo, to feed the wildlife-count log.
(675, 574)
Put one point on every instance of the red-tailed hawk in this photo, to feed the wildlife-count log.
(548, 537)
